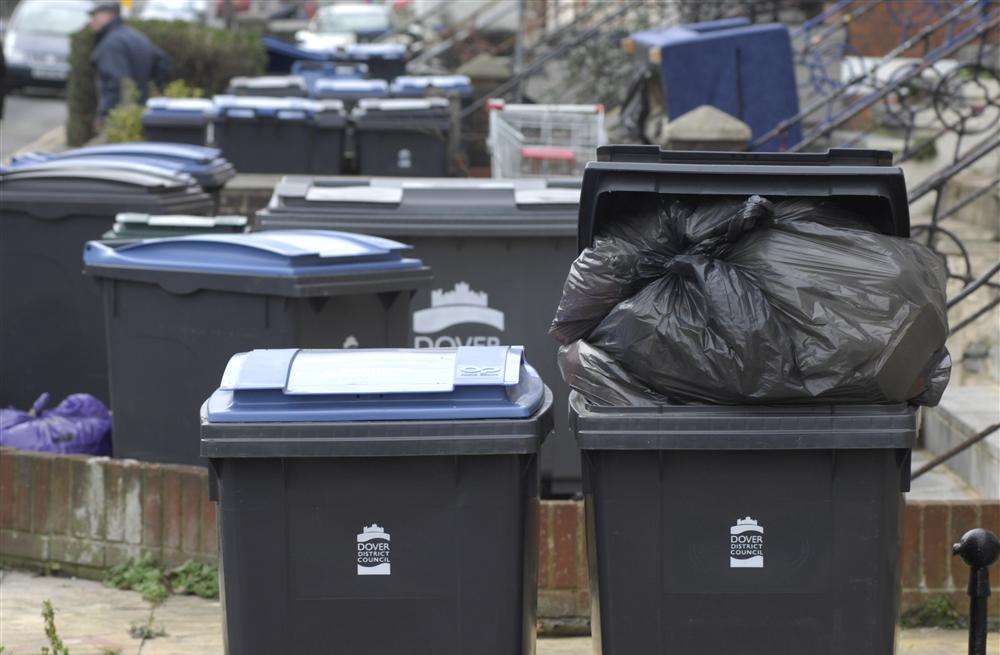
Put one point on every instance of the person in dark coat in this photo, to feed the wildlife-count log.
(122, 52)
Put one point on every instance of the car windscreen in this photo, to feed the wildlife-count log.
(63, 17)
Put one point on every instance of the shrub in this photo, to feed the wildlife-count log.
(204, 57)
(124, 122)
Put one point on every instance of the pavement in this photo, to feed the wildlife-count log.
(28, 117)
(94, 620)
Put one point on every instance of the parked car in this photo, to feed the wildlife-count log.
(358, 22)
(36, 42)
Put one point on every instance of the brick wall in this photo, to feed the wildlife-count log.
(83, 514)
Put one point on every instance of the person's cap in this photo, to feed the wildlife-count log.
(113, 7)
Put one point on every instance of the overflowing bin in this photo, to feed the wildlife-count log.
(280, 135)
(274, 86)
(499, 250)
(178, 308)
(52, 334)
(407, 137)
(743, 528)
(381, 500)
(177, 120)
(132, 226)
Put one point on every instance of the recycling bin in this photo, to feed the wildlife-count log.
(385, 61)
(311, 71)
(349, 91)
(417, 86)
(407, 137)
(177, 120)
(281, 56)
(274, 86)
(132, 226)
(206, 165)
(385, 501)
(52, 329)
(499, 250)
(178, 308)
(750, 529)
(280, 135)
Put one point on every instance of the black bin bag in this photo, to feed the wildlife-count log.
(752, 300)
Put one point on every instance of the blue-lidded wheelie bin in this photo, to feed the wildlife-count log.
(177, 120)
(178, 308)
(385, 501)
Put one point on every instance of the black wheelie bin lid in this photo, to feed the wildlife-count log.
(136, 225)
(280, 86)
(294, 263)
(864, 180)
(56, 190)
(377, 402)
(402, 114)
(206, 165)
(424, 206)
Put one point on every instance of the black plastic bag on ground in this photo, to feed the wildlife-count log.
(749, 302)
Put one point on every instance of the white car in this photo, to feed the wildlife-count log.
(347, 23)
(191, 11)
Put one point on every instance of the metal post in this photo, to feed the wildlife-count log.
(980, 549)
(519, 48)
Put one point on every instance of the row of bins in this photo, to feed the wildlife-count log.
(262, 134)
(314, 84)
(430, 455)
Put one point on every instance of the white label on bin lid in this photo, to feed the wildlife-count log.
(181, 221)
(746, 544)
(366, 193)
(371, 372)
(323, 244)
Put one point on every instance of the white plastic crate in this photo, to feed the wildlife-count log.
(543, 140)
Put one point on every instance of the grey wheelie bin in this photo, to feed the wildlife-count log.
(405, 136)
(177, 120)
(499, 250)
(178, 308)
(51, 330)
(280, 135)
(378, 501)
(749, 529)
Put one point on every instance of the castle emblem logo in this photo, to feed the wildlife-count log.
(374, 555)
(460, 305)
(746, 544)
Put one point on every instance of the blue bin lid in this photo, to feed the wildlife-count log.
(330, 87)
(280, 253)
(199, 106)
(281, 48)
(254, 106)
(100, 167)
(405, 384)
(307, 68)
(407, 84)
(144, 149)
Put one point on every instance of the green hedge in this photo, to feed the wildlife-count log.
(204, 57)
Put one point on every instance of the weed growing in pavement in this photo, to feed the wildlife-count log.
(938, 612)
(146, 631)
(49, 616)
(145, 575)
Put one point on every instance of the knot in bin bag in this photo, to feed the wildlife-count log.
(745, 301)
(80, 424)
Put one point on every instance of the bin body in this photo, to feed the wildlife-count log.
(757, 530)
(385, 61)
(177, 120)
(433, 533)
(52, 332)
(402, 137)
(499, 251)
(280, 135)
(170, 331)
